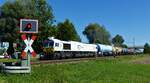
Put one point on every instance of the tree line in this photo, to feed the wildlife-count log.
(12, 11)
(147, 48)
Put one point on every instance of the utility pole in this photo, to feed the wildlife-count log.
(134, 43)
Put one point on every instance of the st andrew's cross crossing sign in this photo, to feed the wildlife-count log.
(28, 43)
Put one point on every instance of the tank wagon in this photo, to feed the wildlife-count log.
(104, 50)
(125, 51)
(117, 50)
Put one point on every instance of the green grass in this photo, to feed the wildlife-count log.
(8, 60)
(109, 70)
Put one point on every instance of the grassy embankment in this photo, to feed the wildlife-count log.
(108, 70)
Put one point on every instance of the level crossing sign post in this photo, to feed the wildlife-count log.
(28, 42)
(27, 28)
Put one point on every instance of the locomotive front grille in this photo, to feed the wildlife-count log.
(48, 50)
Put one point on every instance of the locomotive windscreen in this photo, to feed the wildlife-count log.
(48, 43)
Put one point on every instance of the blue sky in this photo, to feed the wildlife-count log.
(129, 18)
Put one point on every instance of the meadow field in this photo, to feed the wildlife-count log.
(124, 69)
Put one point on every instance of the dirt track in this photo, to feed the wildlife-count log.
(144, 60)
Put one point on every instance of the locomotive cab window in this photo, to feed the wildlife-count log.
(56, 44)
(66, 46)
(48, 43)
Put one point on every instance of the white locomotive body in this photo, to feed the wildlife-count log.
(65, 49)
(59, 45)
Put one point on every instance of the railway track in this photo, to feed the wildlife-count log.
(76, 60)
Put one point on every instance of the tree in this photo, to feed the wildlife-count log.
(124, 46)
(96, 33)
(66, 31)
(146, 48)
(118, 40)
(8, 23)
(12, 11)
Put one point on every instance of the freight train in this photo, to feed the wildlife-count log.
(58, 49)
